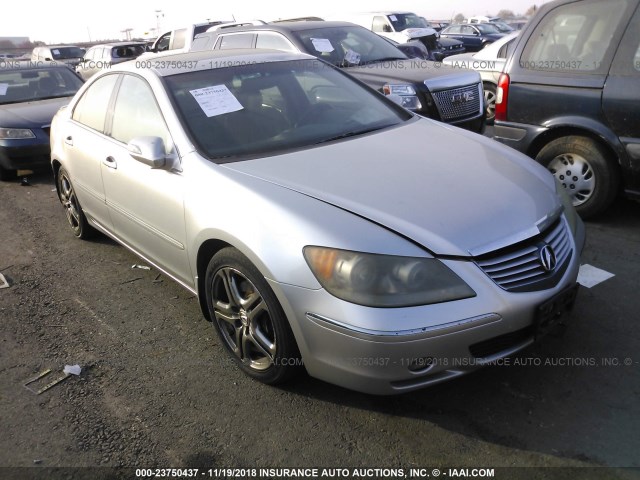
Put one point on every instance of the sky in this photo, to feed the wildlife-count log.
(67, 21)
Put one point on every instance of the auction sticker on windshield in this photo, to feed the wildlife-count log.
(216, 100)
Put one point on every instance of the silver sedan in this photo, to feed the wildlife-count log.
(322, 227)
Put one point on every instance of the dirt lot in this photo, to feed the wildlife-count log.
(157, 390)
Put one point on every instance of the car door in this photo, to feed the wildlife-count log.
(621, 99)
(471, 38)
(454, 32)
(145, 204)
(84, 144)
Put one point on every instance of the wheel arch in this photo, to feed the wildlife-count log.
(576, 127)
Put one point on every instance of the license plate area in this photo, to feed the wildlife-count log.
(550, 313)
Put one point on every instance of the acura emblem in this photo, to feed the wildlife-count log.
(547, 258)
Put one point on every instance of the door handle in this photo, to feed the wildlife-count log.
(69, 140)
(110, 162)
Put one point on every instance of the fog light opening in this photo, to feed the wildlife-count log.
(421, 365)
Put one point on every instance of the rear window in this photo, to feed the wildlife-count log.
(574, 37)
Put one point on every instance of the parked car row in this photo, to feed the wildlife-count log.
(445, 94)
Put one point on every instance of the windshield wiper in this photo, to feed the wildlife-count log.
(379, 60)
(353, 133)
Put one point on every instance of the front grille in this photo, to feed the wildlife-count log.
(518, 268)
(503, 343)
(458, 103)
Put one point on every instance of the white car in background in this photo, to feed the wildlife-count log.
(489, 62)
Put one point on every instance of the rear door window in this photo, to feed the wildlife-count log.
(91, 109)
(576, 37)
(238, 40)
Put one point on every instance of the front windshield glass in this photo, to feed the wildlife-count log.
(25, 85)
(486, 28)
(63, 53)
(402, 21)
(257, 109)
(348, 46)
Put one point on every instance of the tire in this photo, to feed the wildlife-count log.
(7, 175)
(490, 92)
(75, 215)
(249, 319)
(585, 169)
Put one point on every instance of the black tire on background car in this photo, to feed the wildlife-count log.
(6, 174)
(249, 319)
(585, 169)
(490, 92)
(75, 215)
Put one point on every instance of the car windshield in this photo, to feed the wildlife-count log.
(347, 46)
(502, 27)
(62, 53)
(402, 21)
(486, 28)
(267, 108)
(26, 85)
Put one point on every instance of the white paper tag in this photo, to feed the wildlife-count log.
(3, 88)
(55, 51)
(393, 18)
(216, 100)
(352, 57)
(322, 45)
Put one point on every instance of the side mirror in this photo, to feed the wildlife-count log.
(476, 33)
(386, 29)
(148, 150)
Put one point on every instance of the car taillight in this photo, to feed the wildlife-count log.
(502, 97)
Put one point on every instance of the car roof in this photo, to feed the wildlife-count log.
(207, 60)
(118, 44)
(287, 26)
(59, 46)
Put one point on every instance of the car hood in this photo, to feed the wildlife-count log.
(451, 191)
(31, 114)
(416, 71)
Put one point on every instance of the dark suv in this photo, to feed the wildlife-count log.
(428, 88)
(570, 98)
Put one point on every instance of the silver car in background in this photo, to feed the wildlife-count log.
(319, 223)
(489, 63)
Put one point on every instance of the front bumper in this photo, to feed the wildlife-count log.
(390, 351)
(24, 154)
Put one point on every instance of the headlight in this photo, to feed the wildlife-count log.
(407, 93)
(569, 209)
(384, 280)
(15, 133)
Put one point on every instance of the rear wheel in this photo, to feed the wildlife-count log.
(585, 169)
(75, 215)
(249, 319)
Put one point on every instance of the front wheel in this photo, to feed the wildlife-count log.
(249, 319)
(584, 168)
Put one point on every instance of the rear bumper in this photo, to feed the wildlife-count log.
(519, 136)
